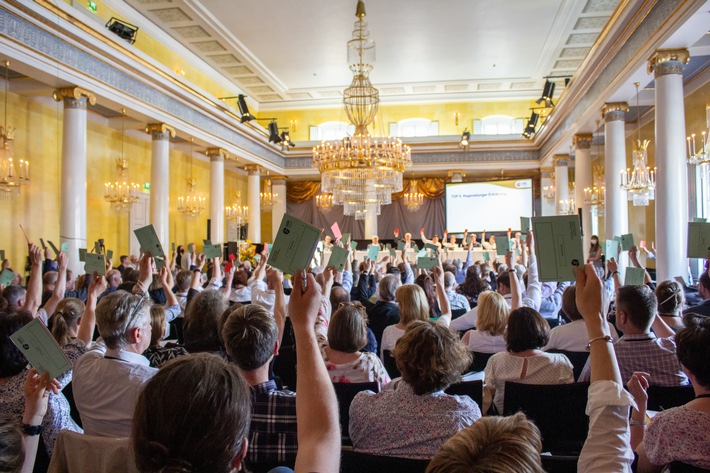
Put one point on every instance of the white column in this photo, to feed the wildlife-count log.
(561, 161)
(254, 203)
(72, 212)
(160, 181)
(616, 208)
(217, 156)
(672, 179)
(547, 206)
(371, 221)
(582, 180)
(278, 188)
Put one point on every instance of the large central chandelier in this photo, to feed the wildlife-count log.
(360, 171)
(13, 173)
(640, 181)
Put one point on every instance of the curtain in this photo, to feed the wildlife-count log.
(301, 191)
(309, 212)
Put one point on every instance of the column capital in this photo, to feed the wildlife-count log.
(547, 173)
(160, 131)
(216, 154)
(253, 169)
(668, 61)
(74, 97)
(614, 111)
(560, 160)
(583, 140)
(277, 179)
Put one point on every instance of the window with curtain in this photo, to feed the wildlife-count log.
(331, 131)
(414, 127)
(498, 125)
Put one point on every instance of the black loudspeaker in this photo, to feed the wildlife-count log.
(581, 225)
(209, 236)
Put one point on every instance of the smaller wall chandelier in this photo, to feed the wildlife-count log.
(700, 156)
(640, 181)
(191, 205)
(324, 201)
(13, 173)
(121, 194)
(413, 199)
(566, 207)
(594, 196)
(267, 196)
(237, 211)
(548, 192)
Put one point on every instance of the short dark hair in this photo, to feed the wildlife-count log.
(704, 280)
(347, 331)
(639, 303)
(569, 303)
(14, 294)
(527, 330)
(430, 357)
(338, 294)
(504, 278)
(249, 335)
(693, 347)
(183, 279)
(12, 361)
(193, 415)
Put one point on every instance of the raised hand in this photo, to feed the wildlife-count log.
(589, 295)
(612, 265)
(62, 261)
(36, 392)
(98, 286)
(35, 255)
(303, 305)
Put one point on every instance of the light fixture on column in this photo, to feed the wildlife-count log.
(286, 142)
(267, 196)
(13, 173)
(548, 192)
(121, 194)
(594, 196)
(547, 92)
(324, 201)
(567, 207)
(700, 156)
(640, 181)
(465, 139)
(362, 172)
(274, 136)
(191, 205)
(413, 199)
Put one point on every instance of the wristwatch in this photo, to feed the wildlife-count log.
(28, 429)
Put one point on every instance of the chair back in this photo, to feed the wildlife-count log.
(68, 392)
(480, 360)
(456, 313)
(559, 463)
(284, 364)
(81, 453)
(356, 462)
(472, 389)
(680, 467)
(345, 392)
(577, 358)
(661, 398)
(558, 410)
(390, 364)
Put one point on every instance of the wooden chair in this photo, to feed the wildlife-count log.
(356, 462)
(664, 397)
(345, 392)
(578, 359)
(472, 389)
(390, 364)
(558, 410)
(81, 453)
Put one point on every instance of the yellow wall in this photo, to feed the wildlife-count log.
(38, 138)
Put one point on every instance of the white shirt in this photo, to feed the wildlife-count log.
(468, 320)
(390, 336)
(483, 342)
(572, 337)
(106, 389)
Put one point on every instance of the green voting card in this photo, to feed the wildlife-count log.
(373, 252)
(345, 238)
(212, 251)
(41, 349)
(486, 256)
(699, 220)
(393, 254)
(558, 246)
(109, 255)
(611, 248)
(97, 247)
(41, 242)
(627, 241)
(430, 246)
(149, 242)
(159, 262)
(427, 262)
(294, 245)
(172, 246)
(524, 224)
(388, 246)
(206, 242)
(82, 254)
(698, 239)
(54, 248)
(502, 245)
(634, 276)
(422, 253)
(64, 246)
(400, 245)
(353, 245)
(338, 258)
(2, 255)
(6, 277)
(95, 264)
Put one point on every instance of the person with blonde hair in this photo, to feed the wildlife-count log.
(413, 306)
(492, 445)
(492, 318)
(65, 321)
(157, 354)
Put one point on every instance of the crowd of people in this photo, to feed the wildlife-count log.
(185, 364)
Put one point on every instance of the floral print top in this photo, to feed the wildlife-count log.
(364, 369)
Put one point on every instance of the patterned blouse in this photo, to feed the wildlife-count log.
(400, 423)
(679, 434)
(58, 417)
(364, 369)
(158, 355)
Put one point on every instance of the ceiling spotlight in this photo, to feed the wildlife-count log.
(532, 123)
(547, 92)
(243, 109)
(286, 140)
(465, 138)
(274, 133)
(124, 30)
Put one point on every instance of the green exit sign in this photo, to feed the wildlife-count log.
(92, 6)
(146, 186)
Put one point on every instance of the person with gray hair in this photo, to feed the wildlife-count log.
(384, 312)
(457, 301)
(108, 379)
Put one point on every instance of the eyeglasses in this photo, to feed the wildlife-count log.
(135, 310)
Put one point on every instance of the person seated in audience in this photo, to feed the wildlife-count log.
(456, 301)
(343, 355)
(679, 434)
(424, 281)
(109, 377)
(157, 354)
(704, 292)
(524, 361)
(490, 326)
(338, 296)
(492, 444)
(365, 286)
(181, 425)
(551, 300)
(124, 262)
(572, 336)
(203, 319)
(251, 337)
(671, 299)
(114, 279)
(415, 418)
(385, 311)
(468, 320)
(473, 285)
(640, 349)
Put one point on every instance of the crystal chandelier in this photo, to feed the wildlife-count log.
(267, 196)
(13, 174)
(548, 192)
(191, 205)
(700, 156)
(413, 199)
(566, 207)
(639, 182)
(594, 196)
(360, 171)
(324, 201)
(121, 194)
(237, 211)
